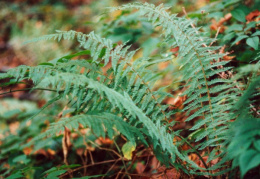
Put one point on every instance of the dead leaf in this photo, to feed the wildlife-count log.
(193, 157)
(13, 127)
(27, 150)
(140, 167)
(163, 65)
(80, 151)
(175, 50)
(215, 25)
(41, 152)
(173, 174)
(51, 152)
(177, 102)
(250, 17)
(66, 144)
(105, 141)
(228, 58)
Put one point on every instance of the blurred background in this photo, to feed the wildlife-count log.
(22, 20)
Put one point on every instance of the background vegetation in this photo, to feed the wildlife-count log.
(130, 148)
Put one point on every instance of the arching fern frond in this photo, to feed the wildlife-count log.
(100, 123)
(212, 99)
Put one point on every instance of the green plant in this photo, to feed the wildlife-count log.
(110, 93)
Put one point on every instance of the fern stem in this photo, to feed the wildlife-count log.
(132, 68)
(149, 90)
(195, 50)
(198, 154)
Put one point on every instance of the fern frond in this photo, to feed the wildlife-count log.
(207, 97)
(100, 124)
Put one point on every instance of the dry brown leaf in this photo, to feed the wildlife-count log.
(13, 127)
(27, 150)
(193, 157)
(105, 141)
(66, 144)
(177, 102)
(51, 152)
(175, 50)
(140, 167)
(41, 152)
(250, 17)
(80, 151)
(90, 148)
(163, 65)
(226, 18)
(228, 58)
(168, 173)
(172, 174)
(74, 135)
(215, 25)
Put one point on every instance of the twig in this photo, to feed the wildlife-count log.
(140, 175)
(101, 148)
(91, 157)
(27, 89)
(122, 155)
(198, 154)
(97, 163)
(118, 173)
(110, 169)
(216, 35)
(148, 158)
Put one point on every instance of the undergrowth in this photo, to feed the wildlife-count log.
(111, 94)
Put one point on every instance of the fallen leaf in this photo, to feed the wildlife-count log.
(250, 17)
(13, 127)
(177, 102)
(163, 65)
(66, 143)
(51, 152)
(127, 150)
(228, 58)
(80, 151)
(140, 167)
(105, 141)
(27, 150)
(215, 25)
(172, 173)
(175, 50)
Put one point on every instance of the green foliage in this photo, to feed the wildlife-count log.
(121, 98)
(244, 147)
(238, 32)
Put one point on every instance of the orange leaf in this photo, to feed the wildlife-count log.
(250, 17)
(27, 150)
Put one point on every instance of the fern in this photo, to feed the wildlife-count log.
(99, 123)
(212, 99)
(128, 93)
(124, 93)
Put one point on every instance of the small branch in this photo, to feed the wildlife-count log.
(215, 36)
(97, 163)
(28, 89)
(101, 148)
(206, 166)
(121, 157)
(109, 169)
